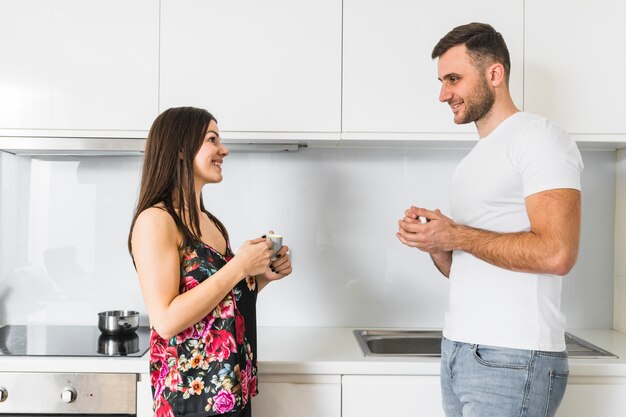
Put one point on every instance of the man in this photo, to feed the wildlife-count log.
(513, 233)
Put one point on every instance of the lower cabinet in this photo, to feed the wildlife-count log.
(298, 396)
(364, 396)
(144, 396)
(375, 396)
(594, 396)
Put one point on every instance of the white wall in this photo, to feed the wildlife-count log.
(64, 224)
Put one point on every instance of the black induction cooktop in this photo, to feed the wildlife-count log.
(44, 340)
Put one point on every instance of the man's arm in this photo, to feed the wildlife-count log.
(551, 245)
(443, 262)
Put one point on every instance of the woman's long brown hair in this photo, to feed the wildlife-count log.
(167, 177)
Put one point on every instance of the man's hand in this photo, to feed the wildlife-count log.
(435, 236)
(428, 231)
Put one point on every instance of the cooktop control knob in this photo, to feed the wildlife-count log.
(68, 395)
(4, 394)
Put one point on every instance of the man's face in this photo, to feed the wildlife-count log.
(464, 87)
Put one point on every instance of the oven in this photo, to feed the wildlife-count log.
(61, 394)
(102, 390)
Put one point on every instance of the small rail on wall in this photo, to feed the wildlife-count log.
(38, 146)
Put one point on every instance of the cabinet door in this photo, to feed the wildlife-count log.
(144, 396)
(389, 80)
(263, 66)
(572, 50)
(298, 396)
(374, 396)
(79, 65)
(619, 268)
(586, 396)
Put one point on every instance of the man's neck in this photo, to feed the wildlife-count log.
(500, 111)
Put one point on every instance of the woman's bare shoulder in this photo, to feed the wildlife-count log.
(156, 223)
(155, 214)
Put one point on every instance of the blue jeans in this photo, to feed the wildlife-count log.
(488, 381)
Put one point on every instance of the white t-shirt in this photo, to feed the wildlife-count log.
(489, 305)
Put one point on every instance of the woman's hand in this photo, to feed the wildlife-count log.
(278, 269)
(255, 256)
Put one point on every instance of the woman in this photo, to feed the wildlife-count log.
(200, 297)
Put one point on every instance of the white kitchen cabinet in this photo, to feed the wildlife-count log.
(421, 396)
(594, 396)
(271, 67)
(298, 396)
(84, 67)
(619, 291)
(572, 50)
(390, 82)
(144, 396)
(373, 396)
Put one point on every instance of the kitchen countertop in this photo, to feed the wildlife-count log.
(321, 351)
(69, 364)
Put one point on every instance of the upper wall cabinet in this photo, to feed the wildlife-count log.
(79, 66)
(389, 80)
(272, 67)
(573, 49)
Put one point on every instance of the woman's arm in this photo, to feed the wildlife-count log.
(155, 243)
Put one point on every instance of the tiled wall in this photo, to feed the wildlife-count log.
(64, 224)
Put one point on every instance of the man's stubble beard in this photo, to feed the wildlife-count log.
(479, 103)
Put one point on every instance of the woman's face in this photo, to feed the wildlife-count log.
(207, 164)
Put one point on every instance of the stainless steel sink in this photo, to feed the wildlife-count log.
(578, 348)
(428, 343)
(399, 342)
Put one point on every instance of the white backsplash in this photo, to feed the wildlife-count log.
(64, 225)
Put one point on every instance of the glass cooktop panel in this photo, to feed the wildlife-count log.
(42, 340)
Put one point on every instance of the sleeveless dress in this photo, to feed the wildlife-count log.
(208, 369)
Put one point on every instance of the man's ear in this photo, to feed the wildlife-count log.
(495, 74)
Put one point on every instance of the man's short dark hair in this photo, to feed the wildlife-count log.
(483, 44)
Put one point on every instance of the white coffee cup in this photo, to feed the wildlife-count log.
(277, 243)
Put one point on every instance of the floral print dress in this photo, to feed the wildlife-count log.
(209, 368)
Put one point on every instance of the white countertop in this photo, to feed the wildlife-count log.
(70, 364)
(321, 351)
